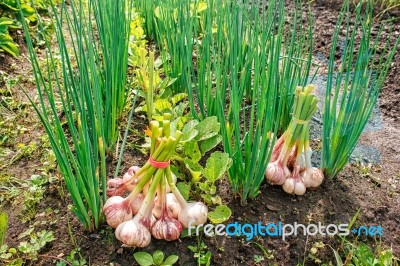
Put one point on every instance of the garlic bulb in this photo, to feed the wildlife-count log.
(194, 213)
(115, 187)
(276, 173)
(117, 210)
(133, 234)
(313, 177)
(294, 186)
(166, 228)
(137, 203)
(172, 205)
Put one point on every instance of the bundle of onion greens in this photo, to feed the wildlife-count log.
(290, 164)
(149, 209)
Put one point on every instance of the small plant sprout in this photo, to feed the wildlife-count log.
(157, 259)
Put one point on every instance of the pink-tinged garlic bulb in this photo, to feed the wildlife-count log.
(294, 186)
(166, 228)
(115, 187)
(117, 210)
(131, 183)
(313, 177)
(172, 205)
(137, 203)
(276, 173)
(118, 186)
(194, 213)
(133, 233)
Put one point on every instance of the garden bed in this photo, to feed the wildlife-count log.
(371, 185)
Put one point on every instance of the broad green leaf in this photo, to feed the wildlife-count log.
(164, 84)
(195, 169)
(216, 200)
(158, 257)
(28, 232)
(162, 104)
(143, 258)
(7, 44)
(180, 109)
(204, 186)
(209, 144)
(217, 164)
(3, 248)
(171, 260)
(178, 98)
(3, 226)
(191, 150)
(189, 131)
(12, 5)
(178, 123)
(27, 10)
(184, 189)
(221, 214)
(208, 128)
(4, 21)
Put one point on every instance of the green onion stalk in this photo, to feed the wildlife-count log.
(353, 85)
(290, 164)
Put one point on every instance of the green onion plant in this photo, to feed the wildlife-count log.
(82, 91)
(354, 84)
(240, 62)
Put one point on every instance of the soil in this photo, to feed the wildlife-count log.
(375, 192)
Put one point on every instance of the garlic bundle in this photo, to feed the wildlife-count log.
(290, 163)
(163, 216)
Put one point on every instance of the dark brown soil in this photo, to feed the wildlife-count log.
(375, 192)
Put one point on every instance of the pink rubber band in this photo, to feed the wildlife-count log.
(156, 164)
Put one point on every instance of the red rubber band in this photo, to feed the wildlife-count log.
(156, 164)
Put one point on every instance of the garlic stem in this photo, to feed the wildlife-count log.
(149, 199)
(174, 189)
(154, 134)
